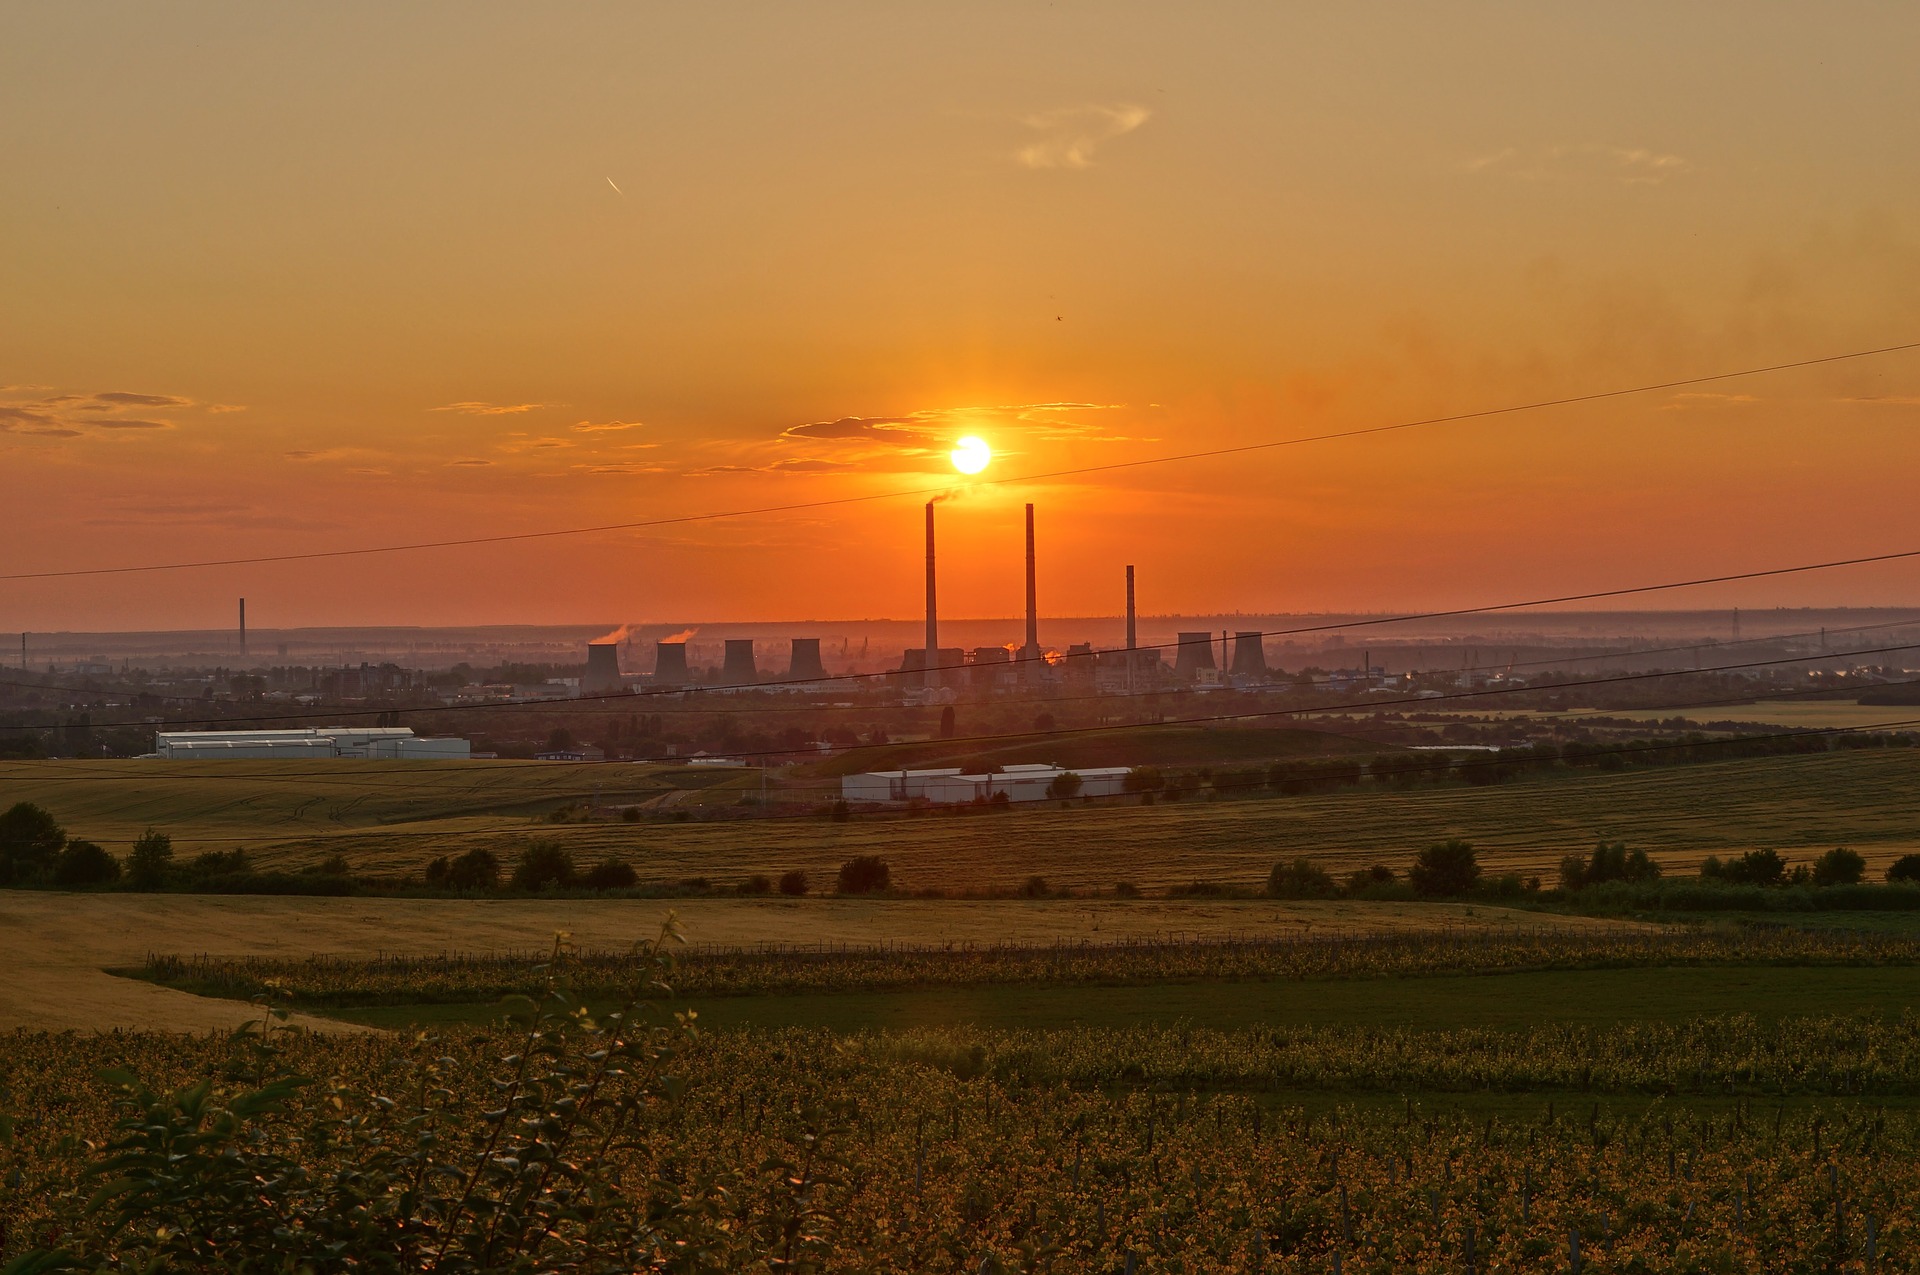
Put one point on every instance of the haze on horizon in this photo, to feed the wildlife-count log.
(287, 280)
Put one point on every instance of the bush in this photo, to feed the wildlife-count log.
(864, 874)
(150, 861)
(30, 841)
(793, 882)
(839, 812)
(1839, 866)
(334, 865)
(1034, 887)
(1755, 867)
(1301, 879)
(1607, 863)
(1367, 879)
(474, 870)
(83, 863)
(758, 883)
(216, 863)
(542, 865)
(1905, 868)
(1445, 868)
(1125, 890)
(609, 875)
(1065, 786)
(1143, 779)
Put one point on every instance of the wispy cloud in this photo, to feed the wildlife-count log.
(1627, 165)
(468, 463)
(120, 422)
(121, 398)
(69, 415)
(1696, 400)
(605, 427)
(1069, 137)
(488, 409)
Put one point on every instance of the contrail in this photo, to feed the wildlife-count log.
(616, 189)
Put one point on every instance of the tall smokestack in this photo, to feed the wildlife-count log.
(1131, 643)
(243, 626)
(1033, 595)
(931, 676)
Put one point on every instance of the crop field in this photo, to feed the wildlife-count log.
(1790, 714)
(1715, 1143)
(394, 817)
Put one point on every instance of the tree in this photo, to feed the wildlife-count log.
(150, 861)
(475, 870)
(946, 722)
(1034, 887)
(1839, 866)
(1607, 863)
(1755, 867)
(1065, 786)
(1906, 868)
(30, 840)
(83, 863)
(1143, 779)
(793, 882)
(1445, 868)
(1300, 879)
(864, 874)
(610, 875)
(543, 864)
(560, 741)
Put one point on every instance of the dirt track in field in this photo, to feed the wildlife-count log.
(58, 947)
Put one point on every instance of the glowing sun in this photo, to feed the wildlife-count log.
(970, 455)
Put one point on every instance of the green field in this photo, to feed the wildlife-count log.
(390, 816)
(1507, 1001)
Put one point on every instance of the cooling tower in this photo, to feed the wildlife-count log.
(1194, 653)
(805, 664)
(1249, 655)
(738, 668)
(603, 670)
(670, 664)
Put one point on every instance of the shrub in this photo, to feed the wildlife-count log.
(1370, 878)
(150, 861)
(864, 874)
(839, 811)
(334, 865)
(1034, 887)
(1839, 866)
(1301, 879)
(1143, 779)
(758, 883)
(436, 872)
(84, 863)
(1905, 868)
(793, 882)
(631, 814)
(216, 863)
(1125, 890)
(1445, 868)
(475, 870)
(1755, 867)
(30, 840)
(610, 875)
(542, 865)
(1065, 786)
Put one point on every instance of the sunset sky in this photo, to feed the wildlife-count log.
(277, 279)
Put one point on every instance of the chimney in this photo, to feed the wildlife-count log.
(805, 664)
(603, 670)
(1131, 635)
(930, 675)
(738, 668)
(1033, 596)
(670, 664)
(243, 626)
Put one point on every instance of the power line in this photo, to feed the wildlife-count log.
(797, 506)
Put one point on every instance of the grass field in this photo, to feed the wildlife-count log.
(1788, 714)
(388, 816)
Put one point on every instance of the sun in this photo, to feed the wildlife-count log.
(970, 455)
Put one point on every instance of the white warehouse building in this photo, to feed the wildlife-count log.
(1024, 782)
(390, 743)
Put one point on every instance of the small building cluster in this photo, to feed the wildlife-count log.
(390, 743)
(949, 787)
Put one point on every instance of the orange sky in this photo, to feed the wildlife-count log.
(276, 280)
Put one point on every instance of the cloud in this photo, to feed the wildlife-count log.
(122, 423)
(469, 463)
(602, 427)
(1627, 165)
(488, 409)
(220, 408)
(898, 430)
(121, 398)
(1069, 137)
(1696, 399)
(1890, 400)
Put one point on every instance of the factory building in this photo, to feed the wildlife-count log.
(948, 787)
(388, 743)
